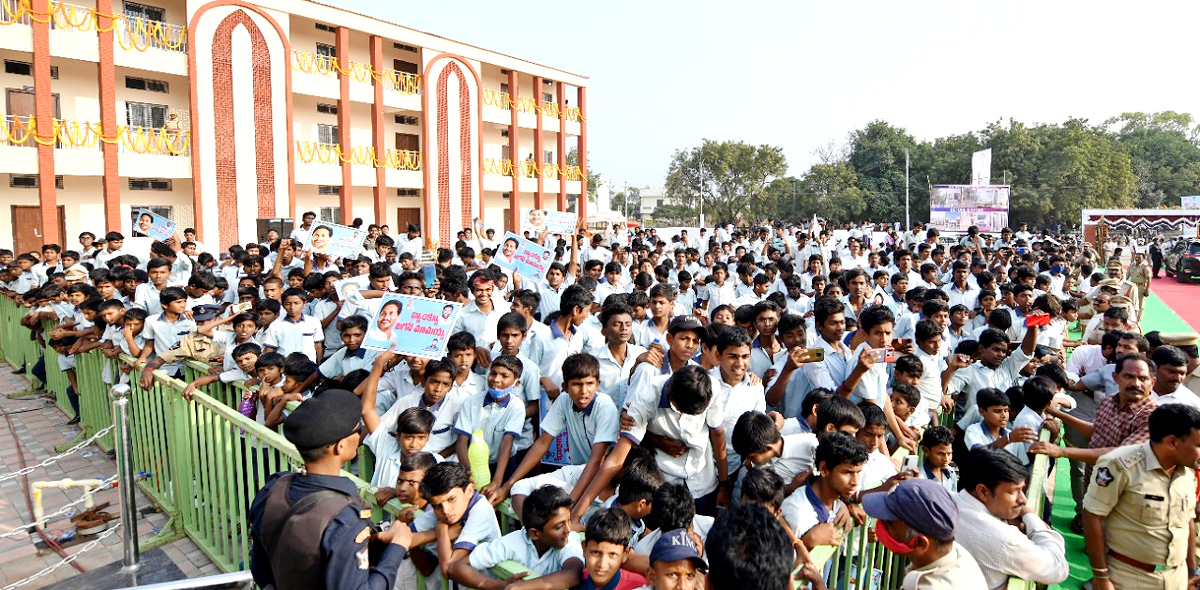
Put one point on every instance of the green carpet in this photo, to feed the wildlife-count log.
(1157, 316)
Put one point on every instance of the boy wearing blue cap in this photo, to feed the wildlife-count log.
(675, 562)
(917, 520)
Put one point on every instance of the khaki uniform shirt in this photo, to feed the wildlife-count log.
(954, 571)
(1147, 513)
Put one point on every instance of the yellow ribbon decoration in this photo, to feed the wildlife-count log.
(70, 16)
(332, 153)
(529, 105)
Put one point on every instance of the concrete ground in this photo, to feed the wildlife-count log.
(41, 426)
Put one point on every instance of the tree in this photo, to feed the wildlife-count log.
(877, 156)
(832, 192)
(734, 184)
(675, 214)
(629, 200)
(593, 177)
(1164, 155)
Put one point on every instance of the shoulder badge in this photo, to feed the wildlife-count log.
(366, 532)
(364, 513)
(1103, 477)
(1126, 461)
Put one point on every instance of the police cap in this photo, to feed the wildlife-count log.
(323, 419)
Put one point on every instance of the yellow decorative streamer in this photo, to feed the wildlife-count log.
(311, 63)
(332, 153)
(142, 34)
(529, 169)
(528, 105)
(76, 134)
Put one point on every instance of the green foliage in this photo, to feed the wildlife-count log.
(736, 176)
(675, 215)
(1055, 170)
(593, 177)
(634, 198)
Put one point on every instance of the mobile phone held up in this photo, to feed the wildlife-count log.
(1041, 319)
(886, 355)
(430, 276)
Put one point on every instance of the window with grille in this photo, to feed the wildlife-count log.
(503, 88)
(405, 120)
(326, 50)
(326, 28)
(30, 181)
(547, 97)
(327, 134)
(329, 190)
(134, 10)
(144, 114)
(146, 84)
(403, 47)
(408, 192)
(548, 157)
(24, 68)
(328, 109)
(330, 214)
(149, 184)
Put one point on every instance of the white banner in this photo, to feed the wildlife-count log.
(981, 167)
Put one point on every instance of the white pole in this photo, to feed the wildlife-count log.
(701, 159)
(907, 220)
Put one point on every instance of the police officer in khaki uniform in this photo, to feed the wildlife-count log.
(1139, 509)
(310, 530)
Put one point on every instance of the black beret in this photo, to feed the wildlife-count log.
(323, 419)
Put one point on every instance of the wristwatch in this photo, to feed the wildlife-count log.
(726, 484)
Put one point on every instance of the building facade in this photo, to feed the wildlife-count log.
(216, 114)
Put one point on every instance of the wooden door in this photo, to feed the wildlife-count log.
(405, 216)
(21, 103)
(408, 142)
(27, 227)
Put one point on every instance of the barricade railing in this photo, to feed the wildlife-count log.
(1035, 494)
(201, 462)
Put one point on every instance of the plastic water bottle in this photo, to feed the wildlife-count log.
(477, 455)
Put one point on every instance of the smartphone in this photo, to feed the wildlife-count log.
(430, 276)
(1042, 319)
(910, 462)
(816, 354)
(887, 355)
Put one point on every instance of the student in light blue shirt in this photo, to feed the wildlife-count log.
(547, 545)
(497, 413)
(351, 356)
(993, 430)
(589, 418)
(452, 501)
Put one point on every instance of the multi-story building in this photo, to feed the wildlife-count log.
(220, 113)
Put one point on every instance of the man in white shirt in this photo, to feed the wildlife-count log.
(304, 232)
(1172, 365)
(993, 494)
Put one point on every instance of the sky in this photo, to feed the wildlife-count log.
(665, 74)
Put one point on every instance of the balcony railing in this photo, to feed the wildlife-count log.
(140, 34)
(531, 169)
(332, 153)
(324, 65)
(85, 135)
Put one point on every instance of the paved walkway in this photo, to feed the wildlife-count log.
(41, 426)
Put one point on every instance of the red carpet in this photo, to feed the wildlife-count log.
(1182, 298)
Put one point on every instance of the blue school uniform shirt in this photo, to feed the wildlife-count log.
(495, 418)
(597, 423)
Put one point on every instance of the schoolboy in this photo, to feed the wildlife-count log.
(146, 295)
(673, 508)
(937, 444)
(1036, 393)
(511, 334)
(879, 466)
(906, 404)
(350, 356)
(245, 327)
(295, 332)
(678, 404)
(497, 413)
(433, 397)
(811, 512)
(788, 389)
(460, 349)
(449, 492)
(407, 490)
(567, 336)
(618, 357)
(993, 430)
(684, 335)
(606, 548)
(588, 417)
(734, 387)
(163, 332)
(244, 355)
(546, 545)
(662, 308)
(675, 562)
(412, 428)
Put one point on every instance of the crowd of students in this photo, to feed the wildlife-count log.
(730, 398)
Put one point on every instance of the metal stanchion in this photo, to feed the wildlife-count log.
(124, 447)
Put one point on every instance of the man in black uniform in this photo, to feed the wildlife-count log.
(311, 529)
